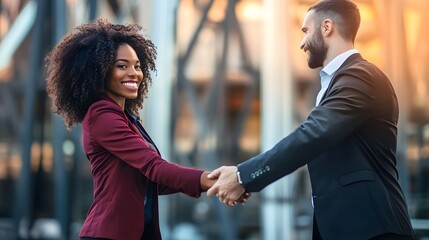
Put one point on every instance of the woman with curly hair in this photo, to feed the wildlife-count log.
(99, 75)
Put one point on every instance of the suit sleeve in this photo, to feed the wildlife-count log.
(347, 105)
(112, 132)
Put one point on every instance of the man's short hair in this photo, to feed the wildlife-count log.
(344, 14)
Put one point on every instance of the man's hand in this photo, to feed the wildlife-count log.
(227, 188)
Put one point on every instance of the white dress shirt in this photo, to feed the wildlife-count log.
(328, 71)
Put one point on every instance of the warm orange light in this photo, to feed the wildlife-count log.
(366, 12)
(217, 11)
(249, 11)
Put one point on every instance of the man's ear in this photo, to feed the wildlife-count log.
(327, 27)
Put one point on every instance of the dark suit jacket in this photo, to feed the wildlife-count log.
(348, 143)
(121, 164)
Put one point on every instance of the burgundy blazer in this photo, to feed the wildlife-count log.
(121, 165)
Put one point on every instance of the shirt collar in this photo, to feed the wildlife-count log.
(336, 63)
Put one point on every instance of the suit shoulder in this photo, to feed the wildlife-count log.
(103, 107)
(366, 72)
(360, 67)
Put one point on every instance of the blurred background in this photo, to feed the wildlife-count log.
(231, 82)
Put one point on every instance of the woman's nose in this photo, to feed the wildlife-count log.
(132, 71)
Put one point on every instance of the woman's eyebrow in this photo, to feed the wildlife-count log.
(125, 60)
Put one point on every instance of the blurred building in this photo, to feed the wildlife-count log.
(231, 82)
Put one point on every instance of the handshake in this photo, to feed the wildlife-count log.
(223, 183)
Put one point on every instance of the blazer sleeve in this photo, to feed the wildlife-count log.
(346, 106)
(165, 190)
(110, 129)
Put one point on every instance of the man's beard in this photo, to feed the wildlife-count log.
(318, 51)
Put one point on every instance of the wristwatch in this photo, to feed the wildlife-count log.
(239, 178)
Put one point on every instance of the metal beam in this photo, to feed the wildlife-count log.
(61, 193)
(23, 208)
(18, 31)
(211, 118)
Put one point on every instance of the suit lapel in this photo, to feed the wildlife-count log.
(343, 66)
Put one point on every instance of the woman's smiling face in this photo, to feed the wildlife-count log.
(125, 77)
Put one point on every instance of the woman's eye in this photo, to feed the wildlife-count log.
(121, 66)
(138, 67)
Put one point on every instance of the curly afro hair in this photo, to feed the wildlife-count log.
(79, 65)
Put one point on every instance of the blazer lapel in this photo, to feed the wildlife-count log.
(349, 60)
(138, 128)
